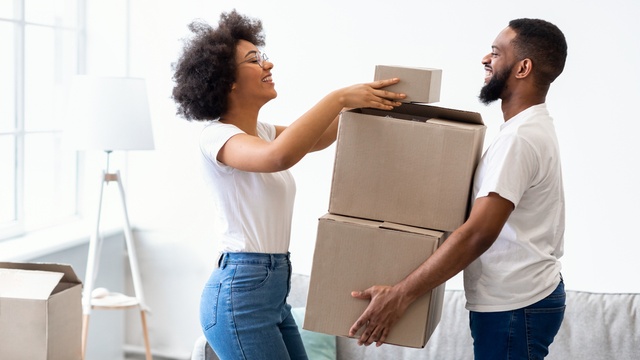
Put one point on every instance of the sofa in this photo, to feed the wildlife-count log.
(597, 326)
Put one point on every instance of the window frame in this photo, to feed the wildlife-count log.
(19, 133)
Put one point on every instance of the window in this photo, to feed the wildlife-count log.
(40, 50)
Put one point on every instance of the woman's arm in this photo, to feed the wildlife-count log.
(314, 130)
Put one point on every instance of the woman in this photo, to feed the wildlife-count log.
(222, 77)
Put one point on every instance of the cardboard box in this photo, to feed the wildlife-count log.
(413, 165)
(355, 254)
(421, 85)
(40, 312)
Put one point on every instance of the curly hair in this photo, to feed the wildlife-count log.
(544, 44)
(205, 72)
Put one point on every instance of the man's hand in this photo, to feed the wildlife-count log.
(386, 307)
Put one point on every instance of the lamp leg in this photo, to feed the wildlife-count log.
(135, 270)
(93, 259)
(147, 346)
(85, 333)
(131, 249)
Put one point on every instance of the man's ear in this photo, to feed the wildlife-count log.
(525, 67)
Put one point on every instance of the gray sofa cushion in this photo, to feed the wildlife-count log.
(597, 326)
(202, 350)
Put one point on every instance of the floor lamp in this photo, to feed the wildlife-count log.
(110, 114)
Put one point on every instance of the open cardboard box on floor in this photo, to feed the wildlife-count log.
(413, 165)
(354, 254)
(40, 312)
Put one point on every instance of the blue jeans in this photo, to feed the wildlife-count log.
(243, 309)
(518, 334)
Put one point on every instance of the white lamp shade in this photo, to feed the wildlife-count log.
(109, 113)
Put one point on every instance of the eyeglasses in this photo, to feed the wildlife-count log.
(259, 58)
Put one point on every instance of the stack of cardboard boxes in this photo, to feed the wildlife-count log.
(401, 182)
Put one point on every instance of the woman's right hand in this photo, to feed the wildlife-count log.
(370, 95)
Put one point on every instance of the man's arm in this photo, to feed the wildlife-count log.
(465, 244)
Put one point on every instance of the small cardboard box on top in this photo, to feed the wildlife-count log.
(421, 85)
(413, 165)
(40, 312)
(354, 254)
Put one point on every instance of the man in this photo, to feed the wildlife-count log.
(510, 245)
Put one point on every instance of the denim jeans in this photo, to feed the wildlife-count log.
(243, 309)
(518, 334)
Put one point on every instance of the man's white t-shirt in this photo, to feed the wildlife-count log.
(253, 210)
(522, 165)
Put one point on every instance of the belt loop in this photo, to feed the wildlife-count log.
(222, 261)
(272, 258)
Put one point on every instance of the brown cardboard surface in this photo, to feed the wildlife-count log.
(43, 326)
(354, 254)
(421, 85)
(413, 165)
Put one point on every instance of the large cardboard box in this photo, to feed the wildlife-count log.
(40, 312)
(421, 85)
(413, 165)
(354, 254)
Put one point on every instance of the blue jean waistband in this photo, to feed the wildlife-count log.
(247, 258)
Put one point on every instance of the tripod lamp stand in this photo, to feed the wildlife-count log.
(110, 114)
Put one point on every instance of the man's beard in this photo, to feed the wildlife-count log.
(492, 91)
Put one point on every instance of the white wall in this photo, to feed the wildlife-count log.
(318, 47)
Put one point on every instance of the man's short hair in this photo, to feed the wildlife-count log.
(543, 43)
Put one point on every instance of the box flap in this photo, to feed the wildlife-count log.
(456, 124)
(28, 284)
(411, 229)
(351, 220)
(68, 277)
(427, 111)
(449, 114)
(383, 225)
